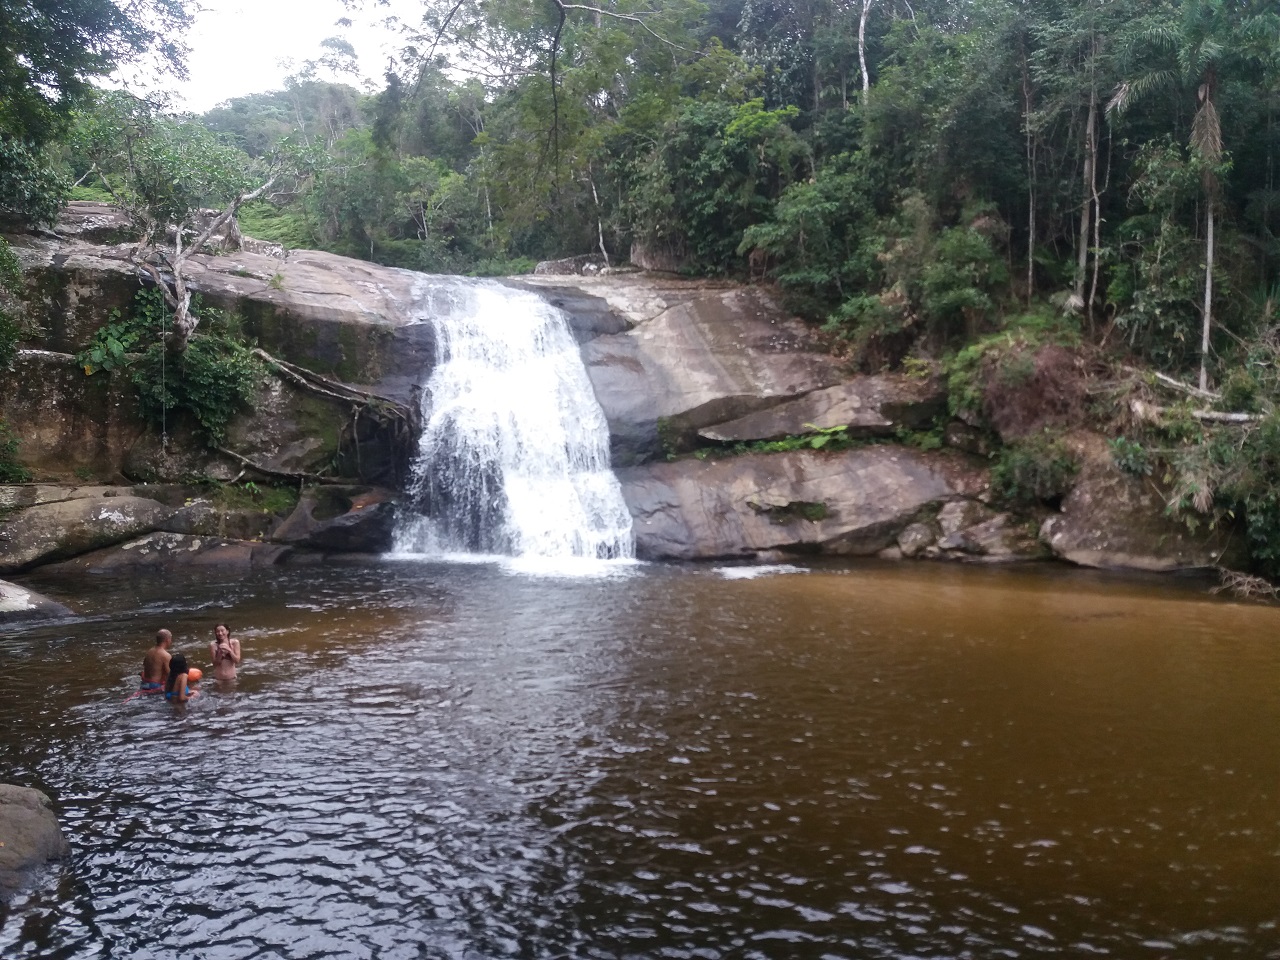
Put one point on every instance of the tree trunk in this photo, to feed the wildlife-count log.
(1031, 175)
(862, 48)
(1086, 210)
(1208, 300)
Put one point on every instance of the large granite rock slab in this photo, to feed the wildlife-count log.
(69, 422)
(698, 356)
(1111, 519)
(157, 552)
(49, 532)
(358, 322)
(348, 520)
(29, 835)
(850, 503)
(868, 406)
(17, 603)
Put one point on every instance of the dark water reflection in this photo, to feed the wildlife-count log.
(462, 761)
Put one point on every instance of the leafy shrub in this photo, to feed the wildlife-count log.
(1130, 456)
(1019, 381)
(211, 381)
(1241, 392)
(1037, 469)
(11, 470)
(1248, 466)
(820, 438)
(502, 267)
(11, 306)
(957, 284)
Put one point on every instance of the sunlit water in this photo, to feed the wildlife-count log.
(472, 761)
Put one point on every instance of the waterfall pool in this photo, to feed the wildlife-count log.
(475, 761)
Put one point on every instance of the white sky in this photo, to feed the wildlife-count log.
(237, 47)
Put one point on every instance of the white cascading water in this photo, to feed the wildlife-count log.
(513, 458)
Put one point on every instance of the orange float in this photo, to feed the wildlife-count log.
(194, 674)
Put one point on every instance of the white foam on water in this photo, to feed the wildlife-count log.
(513, 458)
(763, 570)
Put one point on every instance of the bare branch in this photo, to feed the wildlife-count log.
(269, 471)
(1178, 385)
(630, 18)
(443, 27)
(1149, 411)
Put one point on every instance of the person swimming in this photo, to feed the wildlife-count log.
(224, 651)
(175, 687)
(155, 665)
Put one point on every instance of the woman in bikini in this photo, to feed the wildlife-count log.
(225, 653)
(175, 686)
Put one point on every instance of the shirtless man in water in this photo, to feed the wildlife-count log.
(155, 665)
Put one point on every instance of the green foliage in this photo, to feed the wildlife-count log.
(931, 439)
(959, 283)
(1130, 456)
(502, 267)
(275, 500)
(821, 241)
(51, 51)
(11, 469)
(111, 345)
(163, 169)
(817, 438)
(215, 378)
(287, 226)
(716, 171)
(212, 380)
(1038, 469)
(1156, 281)
(30, 189)
(1242, 392)
(11, 304)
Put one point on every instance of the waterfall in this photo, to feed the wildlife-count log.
(513, 458)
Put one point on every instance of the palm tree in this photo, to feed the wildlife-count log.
(1208, 37)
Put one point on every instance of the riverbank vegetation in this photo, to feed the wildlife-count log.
(1072, 207)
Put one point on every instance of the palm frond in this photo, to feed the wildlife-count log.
(1131, 91)
(1206, 132)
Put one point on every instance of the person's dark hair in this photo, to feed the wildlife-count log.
(177, 667)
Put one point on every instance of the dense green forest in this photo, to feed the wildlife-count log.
(1042, 196)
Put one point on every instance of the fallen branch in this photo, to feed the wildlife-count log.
(1245, 586)
(269, 471)
(1178, 385)
(1149, 411)
(321, 384)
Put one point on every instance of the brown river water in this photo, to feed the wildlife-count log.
(427, 760)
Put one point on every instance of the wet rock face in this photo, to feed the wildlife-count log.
(701, 356)
(850, 503)
(58, 530)
(18, 604)
(867, 406)
(156, 527)
(1114, 520)
(31, 836)
(348, 520)
(159, 552)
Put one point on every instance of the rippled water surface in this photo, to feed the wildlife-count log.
(429, 760)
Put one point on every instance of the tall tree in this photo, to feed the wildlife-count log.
(51, 49)
(1208, 38)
